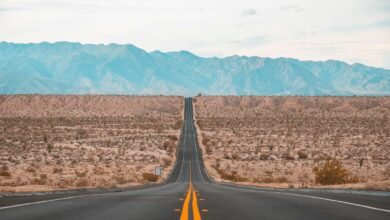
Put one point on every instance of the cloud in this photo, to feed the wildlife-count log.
(292, 7)
(4, 9)
(248, 12)
(380, 24)
(251, 41)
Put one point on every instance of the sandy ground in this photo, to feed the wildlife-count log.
(277, 141)
(67, 142)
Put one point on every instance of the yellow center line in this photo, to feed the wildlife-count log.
(186, 204)
(195, 208)
(184, 212)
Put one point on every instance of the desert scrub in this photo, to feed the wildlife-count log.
(177, 125)
(4, 171)
(332, 172)
(169, 146)
(295, 134)
(167, 162)
(86, 141)
(172, 137)
(150, 177)
(233, 176)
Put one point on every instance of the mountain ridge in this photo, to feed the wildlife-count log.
(75, 68)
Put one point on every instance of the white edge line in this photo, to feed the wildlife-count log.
(80, 196)
(339, 201)
(307, 196)
(45, 201)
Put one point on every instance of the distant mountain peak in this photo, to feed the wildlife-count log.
(184, 53)
(75, 68)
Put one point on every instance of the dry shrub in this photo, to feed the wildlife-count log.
(287, 156)
(172, 137)
(150, 177)
(177, 125)
(167, 162)
(281, 180)
(233, 176)
(43, 176)
(82, 183)
(57, 170)
(98, 170)
(208, 149)
(39, 181)
(81, 174)
(302, 154)
(49, 147)
(268, 179)
(31, 170)
(264, 156)
(66, 183)
(4, 171)
(205, 141)
(81, 133)
(332, 172)
(120, 179)
(169, 146)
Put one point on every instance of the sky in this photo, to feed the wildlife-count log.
(355, 31)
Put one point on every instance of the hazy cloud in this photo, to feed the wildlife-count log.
(248, 12)
(3, 9)
(292, 7)
(362, 26)
(251, 41)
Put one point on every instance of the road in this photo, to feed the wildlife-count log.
(190, 194)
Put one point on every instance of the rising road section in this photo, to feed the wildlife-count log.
(189, 193)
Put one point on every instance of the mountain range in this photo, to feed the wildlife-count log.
(74, 68)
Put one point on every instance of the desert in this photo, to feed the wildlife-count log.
(55, 142)
(290, 142)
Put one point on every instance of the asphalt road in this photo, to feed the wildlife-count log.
(190, 194)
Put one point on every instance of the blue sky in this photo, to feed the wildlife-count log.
(349, 30)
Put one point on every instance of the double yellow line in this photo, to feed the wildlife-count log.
(195, 207)
(186, 204)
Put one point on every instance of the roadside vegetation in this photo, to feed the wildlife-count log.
(332, 172)
(287, 141)
(67, 142)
